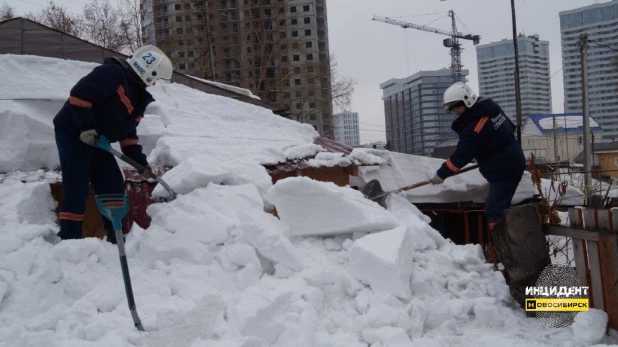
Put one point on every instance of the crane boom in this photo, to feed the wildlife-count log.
(452, 42)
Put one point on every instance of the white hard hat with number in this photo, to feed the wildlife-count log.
(151, 64)
(456, 93)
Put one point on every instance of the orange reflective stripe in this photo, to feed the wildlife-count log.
(451, 166)
(480, 124)
(125, 100)
(71, 216)
(75, 101)
(128, 142)
(113, 203)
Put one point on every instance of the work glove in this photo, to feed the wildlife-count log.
(436, 179)
(88, 136)
(147, 172)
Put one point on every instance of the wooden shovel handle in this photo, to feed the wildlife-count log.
(424, 183)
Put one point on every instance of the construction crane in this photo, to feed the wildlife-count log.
(452, 42)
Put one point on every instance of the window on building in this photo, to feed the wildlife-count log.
(294, 21)
(294, 33)
(306, 8)
(308, 44)
(297, 81)
(181, 66)
(177, 7)
(299, 106)
(311, 104)
(296, 57)
(294, 45)
(284, 58)
(309, 56)
(178, 18)
(308, 32)
(307, 20)
(293, 9)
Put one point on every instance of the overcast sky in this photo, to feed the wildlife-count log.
(373, 52)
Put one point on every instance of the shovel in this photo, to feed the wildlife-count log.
(103, 143)
(114, 207)
(373, 189)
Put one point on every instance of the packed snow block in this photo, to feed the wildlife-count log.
(384, 261)
(423, 236)
(267, 234)
(313, 208)
(190, 217)
(199, 171)
(519, 241)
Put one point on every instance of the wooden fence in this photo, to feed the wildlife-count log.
(594, 233)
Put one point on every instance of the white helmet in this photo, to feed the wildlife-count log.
(456, 93)
(151, 64)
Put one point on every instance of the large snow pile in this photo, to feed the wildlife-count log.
(404, 169)
(214, 269)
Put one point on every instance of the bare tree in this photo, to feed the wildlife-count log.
(6, 12)
(342, 88)
(132, 24)
(59, 18)
(103, 24)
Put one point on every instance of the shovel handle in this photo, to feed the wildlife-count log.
(424, 183)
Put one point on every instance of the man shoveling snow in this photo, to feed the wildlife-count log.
(109, 101)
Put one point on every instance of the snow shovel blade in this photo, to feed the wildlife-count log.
(374, 192)
(102, 143)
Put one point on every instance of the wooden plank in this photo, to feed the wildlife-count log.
(608, 253)
(466, 228)
(589, 220)
(575, 218)
(571, 232)
(596, 282)
(580, 261)
(614, 212)
(603, 219)
(479, 228)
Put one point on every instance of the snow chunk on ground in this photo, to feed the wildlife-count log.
(275, 312)
(384, 261)
(267, 234)
(201, 170)
(387, 336)
(317, 208)
(589, 327)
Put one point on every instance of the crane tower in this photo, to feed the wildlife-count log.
(452, 42)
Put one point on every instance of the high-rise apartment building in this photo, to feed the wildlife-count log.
(600, 22)
(496, 71)
(415, 119)
(278, 49)
(346, 129)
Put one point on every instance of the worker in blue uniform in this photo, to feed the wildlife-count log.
(109, 101)
(487, 135)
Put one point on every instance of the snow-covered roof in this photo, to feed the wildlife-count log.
(234, 89)
(565, 123)
(181, 123)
